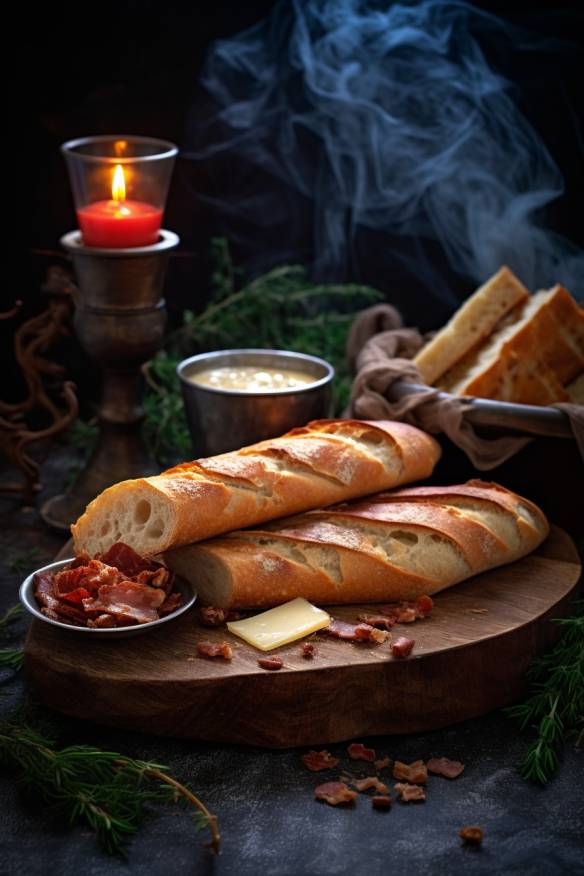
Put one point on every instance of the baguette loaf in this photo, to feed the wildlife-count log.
(392, 546)
(473, 322)
(324, 462)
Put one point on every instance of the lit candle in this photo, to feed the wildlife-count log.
(119, 222)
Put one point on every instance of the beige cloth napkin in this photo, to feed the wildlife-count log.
(380, 350)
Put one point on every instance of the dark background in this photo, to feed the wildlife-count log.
(133, 67)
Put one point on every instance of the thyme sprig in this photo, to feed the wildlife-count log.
(103, 789)
(555, 706)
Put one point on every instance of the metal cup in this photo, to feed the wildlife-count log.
(221, 420)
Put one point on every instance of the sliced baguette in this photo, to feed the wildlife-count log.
(474, 321)
(388, 547)
(325, 462)
(536, 350)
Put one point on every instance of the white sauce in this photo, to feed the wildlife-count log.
(251, 378)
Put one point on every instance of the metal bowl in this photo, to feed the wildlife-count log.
(221, 420)
(28, 599)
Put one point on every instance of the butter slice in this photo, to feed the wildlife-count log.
(280, 625)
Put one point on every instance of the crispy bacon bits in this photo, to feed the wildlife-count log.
(307, 650)
(335, 793)
(415, 772)
(119, 588)
(215, 649)
(354, 632)
(407, 612)
(210, 616)
(441, 766)
(402, 647)
(381, 801)
(357, 751)
(273, 663)
(382, 763)
(410, 793)
(370, 782)
(376, 620)
(319, 760)
(472, 835)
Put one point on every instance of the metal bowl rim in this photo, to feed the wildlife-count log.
(215, 354)
(27, 598)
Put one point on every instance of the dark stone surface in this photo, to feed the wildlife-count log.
(269, 821)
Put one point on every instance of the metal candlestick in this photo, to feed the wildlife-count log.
(120, 320)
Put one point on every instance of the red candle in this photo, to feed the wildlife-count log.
(119, 223)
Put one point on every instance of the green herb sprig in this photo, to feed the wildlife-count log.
(555, 706)
(9, 617)
(102, 789)
(11, 658)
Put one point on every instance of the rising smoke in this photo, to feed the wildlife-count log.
(344, 115)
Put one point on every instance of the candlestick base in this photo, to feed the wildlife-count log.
(119, 320)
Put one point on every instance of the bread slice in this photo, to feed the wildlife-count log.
(473, 322)
(535, 351)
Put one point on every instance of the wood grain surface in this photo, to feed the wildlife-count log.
(470, 657)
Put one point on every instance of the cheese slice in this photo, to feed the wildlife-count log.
(280, 625)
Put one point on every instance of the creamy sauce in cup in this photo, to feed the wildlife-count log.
(251, 378)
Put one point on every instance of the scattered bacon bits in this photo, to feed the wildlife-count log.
(357, 751)
(382, 763)
(210, 616)
(370, 782)
(402, 647)
(381, 801)
(472, 835)
(272, 663)
(410, 793)
(354, 632)
(215, 649)
(407, 612)
(335, 793)
(319, 760)
(377, 620)
(307, 650)
(441, 766)
(415, 772)
(378, 636)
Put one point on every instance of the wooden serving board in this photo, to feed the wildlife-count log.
(470, 657)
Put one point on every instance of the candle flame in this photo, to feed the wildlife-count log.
(119, 185)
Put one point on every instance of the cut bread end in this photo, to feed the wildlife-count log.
(134, 512)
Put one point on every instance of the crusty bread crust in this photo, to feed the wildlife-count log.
(324, 462)
(393, 546)
(472, 322)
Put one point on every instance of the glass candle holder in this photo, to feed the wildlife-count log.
(120, 184)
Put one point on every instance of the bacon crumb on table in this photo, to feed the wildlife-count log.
(415, 772)
(410, 793)
(354, 632)
(210, 616)
(377, 620)
(381, 801)
(408, 612)
(357, 751)
(370, 782)
(335, 793)
(402, 647)
(472, 835)
(272, 663)
(382, 763)
(441, 766)
(215, 649)
(307, 650)
(319, 760)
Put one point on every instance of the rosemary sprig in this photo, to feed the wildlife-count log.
(102, 789)
(9, 617)
(11, 658)
(555, 707)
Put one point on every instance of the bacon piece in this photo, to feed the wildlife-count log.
(382, 763)
(307, 650)
(43, 591)
(335, 793)
(441, 766)
(415, 772)
(72, 612)
(209, 616)
(124, 558)
(378, 636)
(102, 621)
(402, 647)
(471, 834)
(381, 801)
(91, 576)
(76, 597)
(48, 612)
(353, 632)
(377, 620)
(128, 600)
(370, 782)
(407, 612)
(424, 605)
(273, 663)
(319, 760)
(160, 577)
(215, 649)
(409, 793)
(357, 751)
(170, 604)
